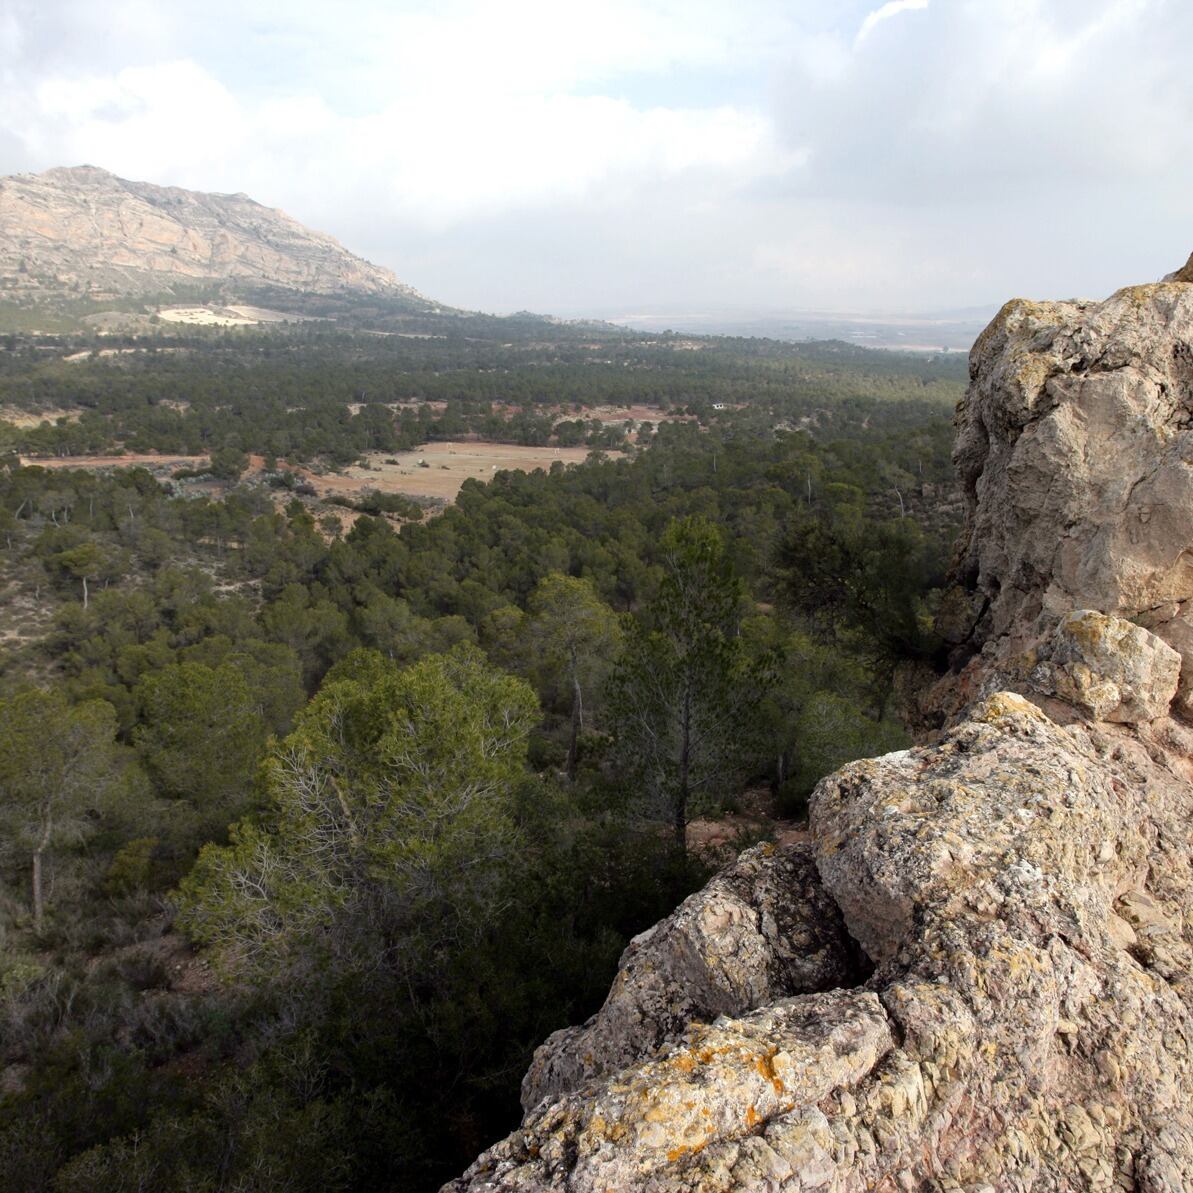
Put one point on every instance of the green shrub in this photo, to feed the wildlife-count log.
(130, 867)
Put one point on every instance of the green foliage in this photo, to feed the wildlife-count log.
(833, 730)
(875, 577)
(409, 910)
(374, 502)
(57, 763)
(130, 867)
(200, 736)
(228, 463)
(574, 638)
(684, 697)
(391, 793)
(87, 563)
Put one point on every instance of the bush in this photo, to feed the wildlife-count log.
(833, 730)
(130, 867)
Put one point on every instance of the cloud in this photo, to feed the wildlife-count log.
(774, 153)
(891, 9)
(434, 161)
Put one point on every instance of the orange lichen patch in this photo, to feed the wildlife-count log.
(684, 1062)
(766, 1068)
(678, 1153)
(751, 1116)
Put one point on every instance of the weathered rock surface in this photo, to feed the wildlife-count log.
(82, 230)
(1022, 887)
(1075, 447)
(1184, 274)
(762, 930)
(1109, 668)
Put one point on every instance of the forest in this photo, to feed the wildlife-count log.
(313, 829)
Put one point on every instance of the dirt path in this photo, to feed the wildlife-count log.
(131, 460)
(757, 816)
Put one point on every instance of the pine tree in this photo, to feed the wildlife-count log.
(684, 696)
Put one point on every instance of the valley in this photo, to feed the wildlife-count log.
(397, 667)
(563, 630)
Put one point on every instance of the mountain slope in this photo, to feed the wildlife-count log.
(82, 232)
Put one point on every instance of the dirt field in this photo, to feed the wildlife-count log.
(150, 460)
(449, 465)
(205, 317)
(232, 316)
(25, 418)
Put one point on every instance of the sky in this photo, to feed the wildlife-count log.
(608, 157)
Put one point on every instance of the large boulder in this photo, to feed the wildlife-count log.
(763, 929)
(1075, 450)
(1109, 668)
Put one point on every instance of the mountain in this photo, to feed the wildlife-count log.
(975, 974)
(82, 233)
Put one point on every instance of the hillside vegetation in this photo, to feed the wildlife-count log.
(346, 817)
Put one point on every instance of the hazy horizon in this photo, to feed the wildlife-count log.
(757, 157)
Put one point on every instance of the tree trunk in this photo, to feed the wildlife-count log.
(38, 903)
(577, 726)
(685, 767)
(84, 592)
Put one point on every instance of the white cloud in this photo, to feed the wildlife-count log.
(891, 9)
(547, 154)
(433, 159)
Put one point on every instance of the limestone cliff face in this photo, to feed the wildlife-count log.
(977, 977)
(80, 231)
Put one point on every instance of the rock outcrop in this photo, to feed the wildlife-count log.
(1075, 451)
(78, 232)
(762, 930)
(977, 976)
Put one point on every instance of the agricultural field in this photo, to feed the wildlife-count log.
(433, 470)
(439, 469)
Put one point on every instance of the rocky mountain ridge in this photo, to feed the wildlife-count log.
(976, 977)
(82, 232)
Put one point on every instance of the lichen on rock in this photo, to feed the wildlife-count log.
(1108, 667)
(763, 929)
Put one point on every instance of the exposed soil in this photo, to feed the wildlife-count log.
(129, 460)
(448, 466)
(444, 468)
(34, 418)
(757, 817)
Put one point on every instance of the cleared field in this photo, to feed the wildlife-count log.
(445, 467)
(448, 466)
(231, 316)
(34, 418)
(205, 317)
